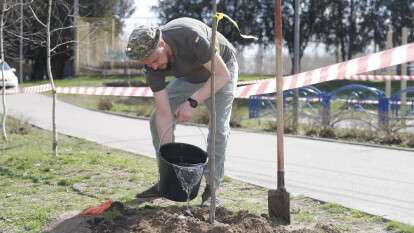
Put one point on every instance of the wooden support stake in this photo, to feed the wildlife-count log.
(212, 152)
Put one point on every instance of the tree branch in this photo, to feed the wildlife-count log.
(37, 19)
(63, 28)
(24, 38)
(61, 44)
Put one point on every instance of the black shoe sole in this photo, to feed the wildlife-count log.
(149, 193)
(147, 196)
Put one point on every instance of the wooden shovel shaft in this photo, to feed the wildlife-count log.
(279, 199)
(279, 95)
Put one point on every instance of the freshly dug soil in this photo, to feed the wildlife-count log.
(174, 219)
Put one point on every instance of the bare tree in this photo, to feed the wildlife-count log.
(7, 6)
(47, 33)
(49, 73)
(3, 10)
(52, 50)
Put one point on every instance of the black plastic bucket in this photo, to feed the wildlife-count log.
(175, 155)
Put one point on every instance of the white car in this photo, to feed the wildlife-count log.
(9, 76)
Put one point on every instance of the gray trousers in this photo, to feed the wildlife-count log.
(180, 90)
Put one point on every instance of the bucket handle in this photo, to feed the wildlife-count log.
(170, 127)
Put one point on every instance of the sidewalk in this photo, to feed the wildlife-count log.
(374, 180)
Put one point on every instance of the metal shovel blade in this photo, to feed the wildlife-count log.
(279, 205)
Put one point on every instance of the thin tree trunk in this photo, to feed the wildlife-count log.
(3, 9)
(296, 66)
(340, 30)
(21, 43)
(49, 73)
(343, 52)
(352, 27)
(337, 52)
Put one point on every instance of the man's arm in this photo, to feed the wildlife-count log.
(222, 77)
(163, 117)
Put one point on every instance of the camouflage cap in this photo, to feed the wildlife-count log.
(142, 42)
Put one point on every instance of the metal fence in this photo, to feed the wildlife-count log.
(343, 107)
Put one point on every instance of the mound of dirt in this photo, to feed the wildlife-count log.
(171, 219)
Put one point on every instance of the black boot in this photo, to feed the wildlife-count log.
(206, 197)
(206, 194)
(152, 192)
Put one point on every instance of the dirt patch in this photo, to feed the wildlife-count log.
(171, 219)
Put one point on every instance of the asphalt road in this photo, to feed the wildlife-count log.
(374, 180)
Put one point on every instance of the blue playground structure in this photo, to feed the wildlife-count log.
(353, 102)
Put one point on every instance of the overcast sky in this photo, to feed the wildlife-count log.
(142, 15)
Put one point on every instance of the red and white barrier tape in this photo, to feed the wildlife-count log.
(29, 90)
(380, 77)
(263, 84)
(340, 71)
(380, 60)
(146, 91)
(36, 89)
(106, 91)
(11, 91)
(360, 77)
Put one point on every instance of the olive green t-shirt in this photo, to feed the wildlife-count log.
(189, 40)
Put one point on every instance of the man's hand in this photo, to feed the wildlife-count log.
(184, 112)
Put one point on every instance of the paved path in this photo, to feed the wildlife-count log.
(375, 180)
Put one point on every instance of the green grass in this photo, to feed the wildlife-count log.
(246, 77)
(130, 106)
(334, 208)
(305, 216)
(35, 186)
(399, 227)
(84, 81)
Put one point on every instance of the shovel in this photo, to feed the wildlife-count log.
(278, 200)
